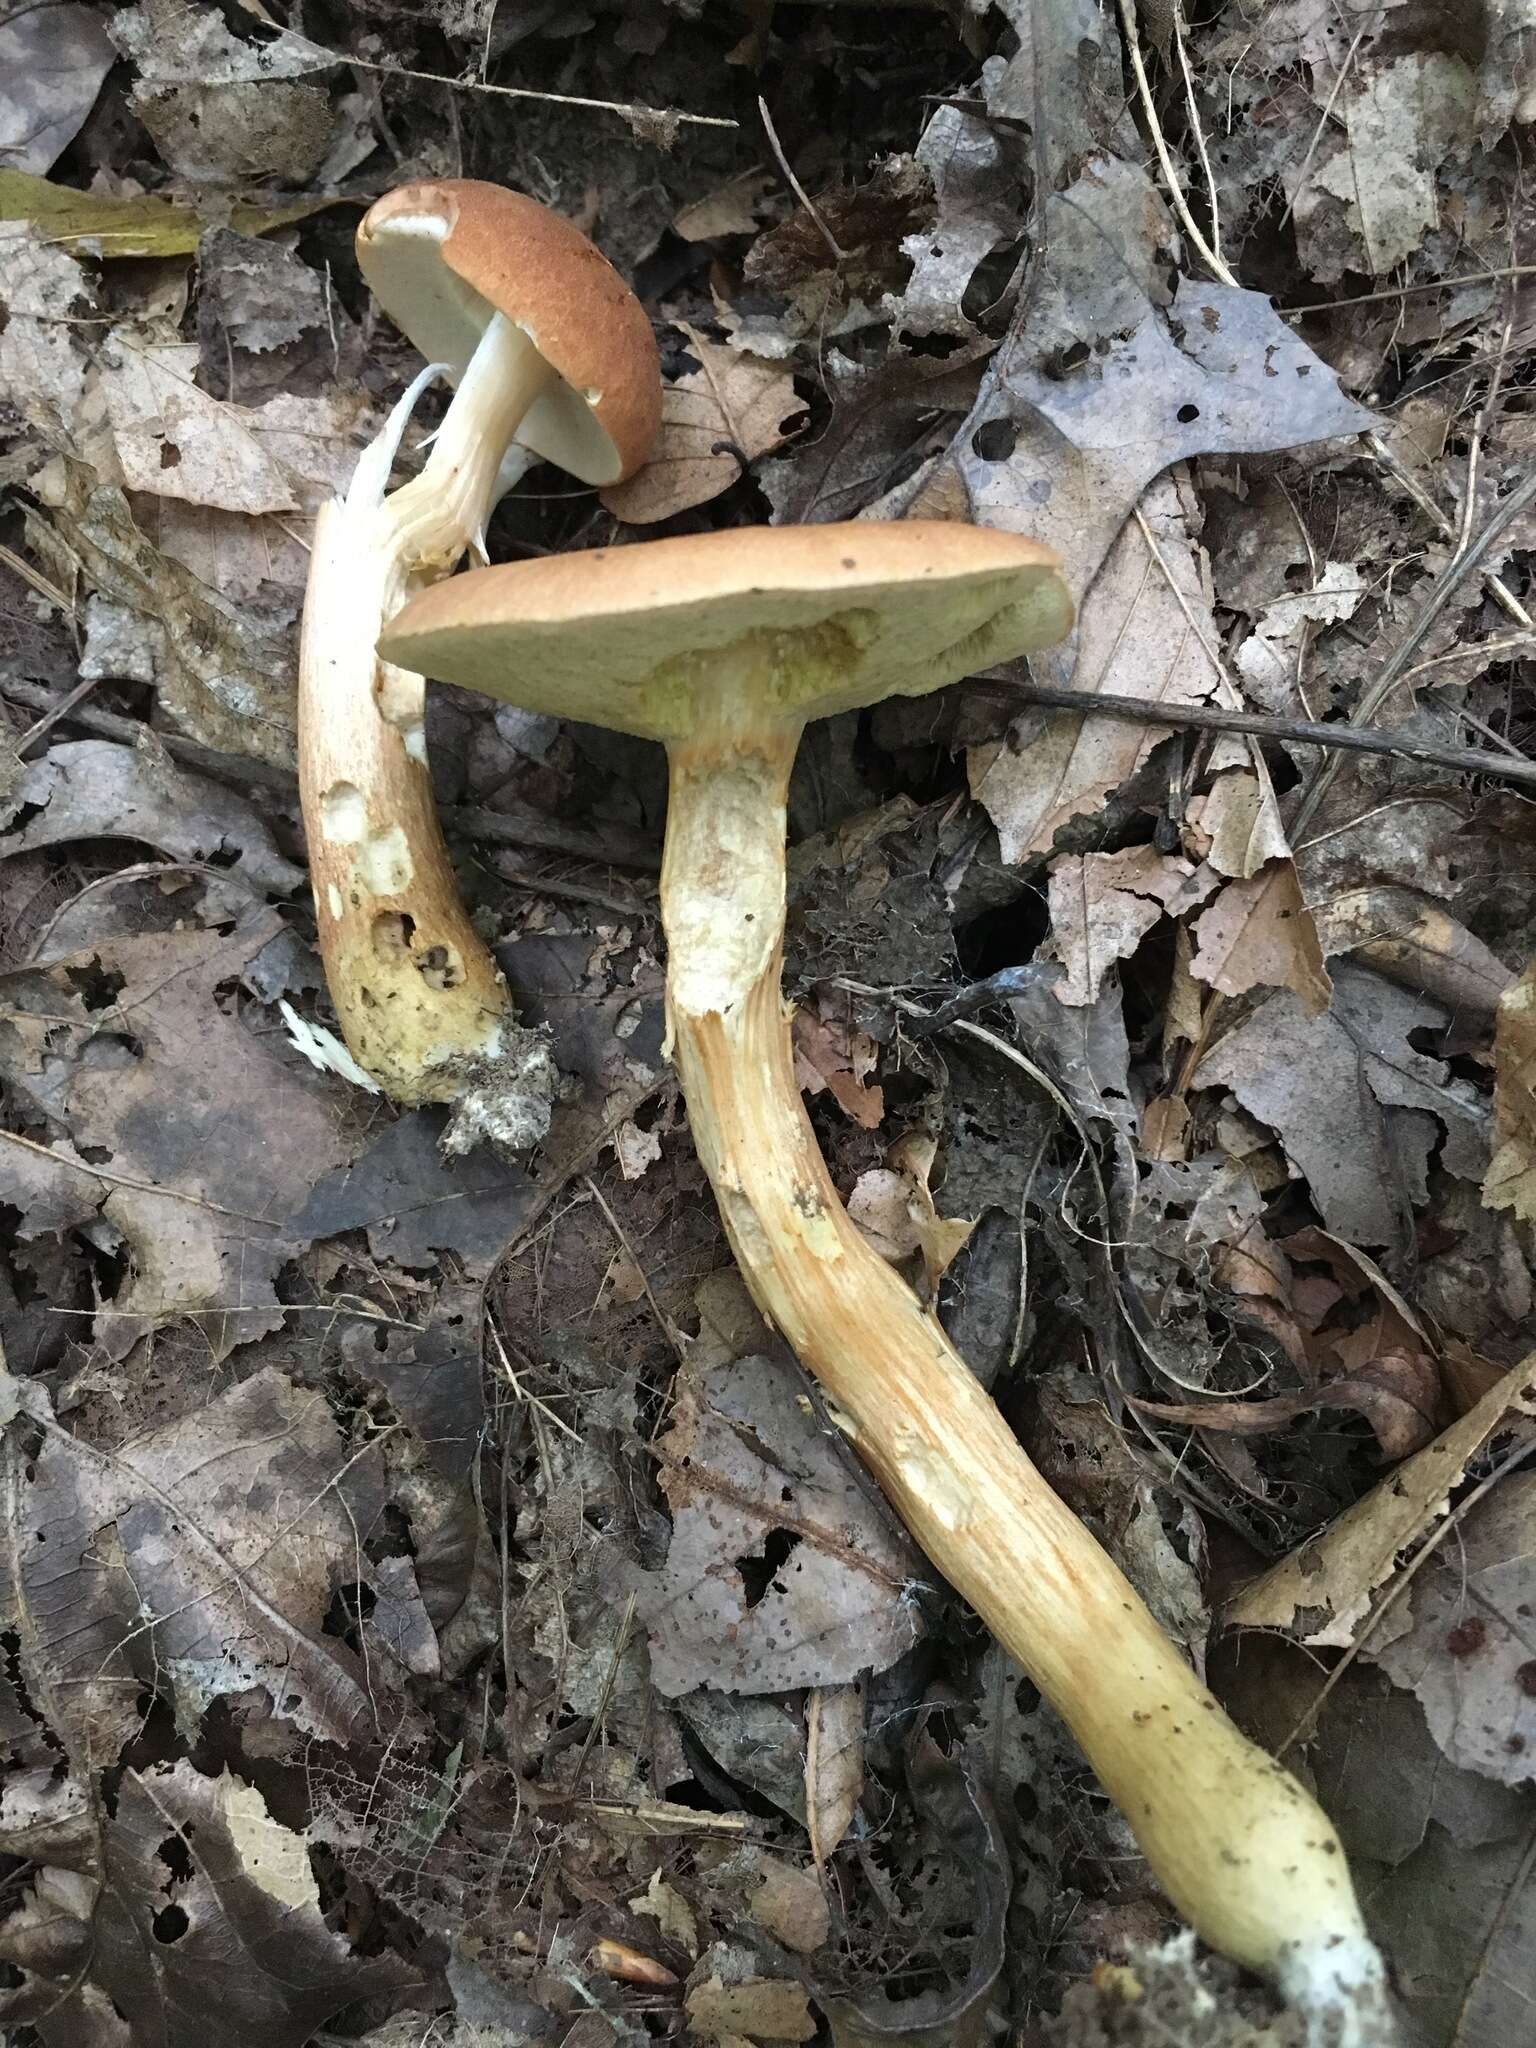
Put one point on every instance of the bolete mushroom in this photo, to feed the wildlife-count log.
(550, 350)
(722, 647)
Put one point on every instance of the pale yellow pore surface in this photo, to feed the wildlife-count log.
(1242, 1850)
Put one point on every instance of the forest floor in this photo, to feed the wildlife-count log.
(433, 1607)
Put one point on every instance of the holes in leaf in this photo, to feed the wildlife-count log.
(97, 987)
(1187, 415)
(350, 1607)
(759, 1573)
(169, 1924)
(994, 440)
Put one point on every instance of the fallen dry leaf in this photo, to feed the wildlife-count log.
(893, 1206)
(1260, 934)
(756, 2009)
(1347, 1095)
(197, 1886)
(53, 68)
(1097, 388)
(831, 1054)
(206, 1139)
(1401, 934)
(232, 1528)
(714, 419)
(1373, 172)
(976, 167)
(1467, 1649)
(1398, 1394)
(1141, 633)
(834, 1764)
(223, 676)
(1511, 1182)
(94, 789)
(780, 1571)
(1322, 1591)
(1103, 905)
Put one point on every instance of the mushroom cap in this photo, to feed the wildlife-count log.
(775, 623)
(444, 255)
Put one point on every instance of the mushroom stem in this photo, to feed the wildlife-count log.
(420, 1001)
(1242, 1850)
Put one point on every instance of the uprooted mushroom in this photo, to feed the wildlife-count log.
(551, 354)
(723, 647)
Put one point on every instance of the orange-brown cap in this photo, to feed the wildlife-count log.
(443, 255)
(796, 621)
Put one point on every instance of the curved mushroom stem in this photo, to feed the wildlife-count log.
(1242, 1850)
(422, 1005)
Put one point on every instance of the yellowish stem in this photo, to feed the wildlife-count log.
(421, 1003)
(1242, 1850)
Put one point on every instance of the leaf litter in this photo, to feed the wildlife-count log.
(434, 1593)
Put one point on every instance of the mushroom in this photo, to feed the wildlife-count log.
(723, 646)
(548, 349)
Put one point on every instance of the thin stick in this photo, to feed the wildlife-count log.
(1303, 732)
(839, 254)
(1403, 291)
(1454, 575)
(1195, 127)
(630, 111)
(1496, 588)
(1322, 123)
(51, 717)
(1208, 255)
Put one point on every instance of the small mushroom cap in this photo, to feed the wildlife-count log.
(775, 623)
(442, 256)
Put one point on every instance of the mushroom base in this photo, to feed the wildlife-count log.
(417, 994)
(1243, 1851)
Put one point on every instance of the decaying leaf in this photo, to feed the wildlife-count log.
(168, 439)
(975, 166)
(1401, 934)
(834, 1764)
(41, 287)
(754, 2009)
(53, 62)
(1463, 1643)
(89, 789)
(1391, 127)
(104, 225)
(1511, 1182)
(1322, 1591)
(1144, 630)
(198, 1561)
(833, 1056)
(1102, 907)
(894, 1207)
(1355, 1106)
(1259, 933)
(199, 1887)
(207, 1140)
(224, 676)
(729, 411)
(1101, 384)
(222, 111)
(780, 1572)
(1398, 1395)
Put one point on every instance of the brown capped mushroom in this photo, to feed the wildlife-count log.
(723, 647)
(549, 350)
